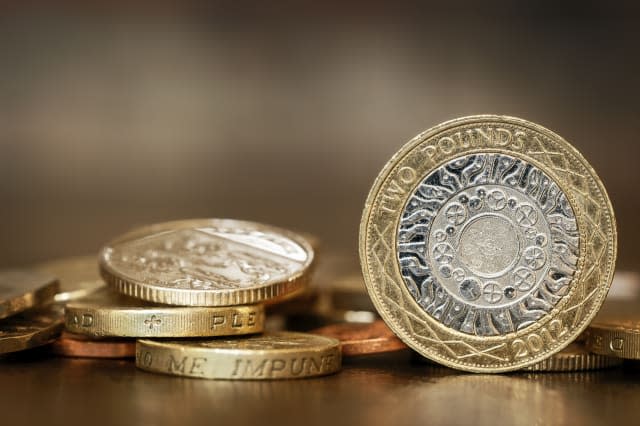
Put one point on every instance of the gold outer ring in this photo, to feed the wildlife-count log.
(575, 357)
(222, 359)
(32, 289)
(620, 339)
(30, 329)
(266, 293)
(549, 334)
(162, 321)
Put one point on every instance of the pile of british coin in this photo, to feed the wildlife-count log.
(487, 244)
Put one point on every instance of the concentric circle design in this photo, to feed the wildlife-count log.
(477, 232)
(488, 243)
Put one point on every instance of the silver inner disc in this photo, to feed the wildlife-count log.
(488, 244)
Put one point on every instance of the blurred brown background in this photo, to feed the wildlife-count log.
(115, 115)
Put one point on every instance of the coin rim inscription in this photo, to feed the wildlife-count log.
(425, 334)
(268, 292)
(108, 317)
(604, 337)
(226, 359)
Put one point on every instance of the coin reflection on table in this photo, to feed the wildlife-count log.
(362, 339)
(79, 346)
(575, 357)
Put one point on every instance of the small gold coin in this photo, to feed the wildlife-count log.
(24, 289)
(488, 243)
(79, 276)
(107, 313)
(615, 337)
(281, 355)
(30, 329)
(208, 262)
(575, 357)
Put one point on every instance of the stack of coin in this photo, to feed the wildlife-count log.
(79, 277)
(488, 243)
(27, 317)
(203, 284)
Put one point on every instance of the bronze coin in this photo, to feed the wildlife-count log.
(363, 339)
(79, 346)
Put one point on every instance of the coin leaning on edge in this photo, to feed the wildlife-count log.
(208, 262)
(279, 355)
(488, 243)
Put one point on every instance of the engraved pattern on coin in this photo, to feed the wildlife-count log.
(492, 234)
(207, 258)
(266, 342)
(431, 334)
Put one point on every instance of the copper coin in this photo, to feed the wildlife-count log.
(76, 345)
(362, 339)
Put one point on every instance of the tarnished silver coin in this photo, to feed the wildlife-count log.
(208, 262)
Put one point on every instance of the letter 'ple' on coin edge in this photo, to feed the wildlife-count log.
(208, 262)
(280, 355)
(488, 243)
(107, 313)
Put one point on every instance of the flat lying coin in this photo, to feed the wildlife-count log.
(24, 289)
(615, 337)
(30, 329)
(362, 339)
(79, 276)
(107, 313)
(208, 262)
(282, 355)
(575, 357)
(79, 346)
(488, 243)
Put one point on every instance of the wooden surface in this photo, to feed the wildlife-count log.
(380, 390)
